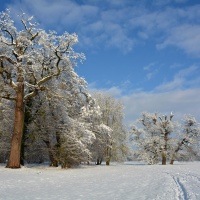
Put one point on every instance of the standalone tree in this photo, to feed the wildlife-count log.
(28, 59)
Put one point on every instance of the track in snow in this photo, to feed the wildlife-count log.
(185, 184)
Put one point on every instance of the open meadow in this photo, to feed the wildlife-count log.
(127, 181)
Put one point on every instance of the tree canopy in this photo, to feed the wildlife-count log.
(52, 113)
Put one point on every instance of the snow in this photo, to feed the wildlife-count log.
(130, 180)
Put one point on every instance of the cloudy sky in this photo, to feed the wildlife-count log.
(145, 52)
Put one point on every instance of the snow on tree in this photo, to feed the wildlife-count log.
(160, 138)
(6, 126)
(116, 147)
(28, 59)
(188, 140)
(91, 116)
(153, 138)
(66, 137)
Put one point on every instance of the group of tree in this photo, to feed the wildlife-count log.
(159, 138)
(46, 112)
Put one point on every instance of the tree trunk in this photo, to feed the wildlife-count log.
(27, 120)
(108, 155)
(52, 156)
(176, 151)
(164, 151)
(171, 162)
(22, 151)
(14, 159)
(108, 161)
(173, 156)
(98, 161)
(164, 159)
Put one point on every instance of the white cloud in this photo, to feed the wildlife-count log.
(114, 91)
(60, 14)
(185, 37)
(171, 26)
(120, 25)
(151, 70)
(174, 84)
(93, 25)
(181, 80)
(150, 75)
(181, 102)
(187, 71)
(149, 66)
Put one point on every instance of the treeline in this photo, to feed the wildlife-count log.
(67, 129)
(46, 111)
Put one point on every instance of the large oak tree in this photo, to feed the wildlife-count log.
(29, 58)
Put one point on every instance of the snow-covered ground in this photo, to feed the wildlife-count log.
(134, 181)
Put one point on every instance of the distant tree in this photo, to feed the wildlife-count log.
(161, 138)
(28, 59)
(92, 118)
(153, 138)
(188, 139)
(116, 147)
(148, 145)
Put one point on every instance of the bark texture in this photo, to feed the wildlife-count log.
(14, 159)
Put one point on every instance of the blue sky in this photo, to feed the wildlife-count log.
(146, 53)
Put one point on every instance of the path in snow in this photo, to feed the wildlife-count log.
(131, 181)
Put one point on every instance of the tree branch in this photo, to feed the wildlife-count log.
(46, 78)
(11, 36)
(8, 98)
(30, 95)
(8, 59)
(6, 43)
(34, 36)
(9, 77)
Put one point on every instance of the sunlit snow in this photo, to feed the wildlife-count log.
(134, 181)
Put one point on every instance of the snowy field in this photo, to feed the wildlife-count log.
(128, 181)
